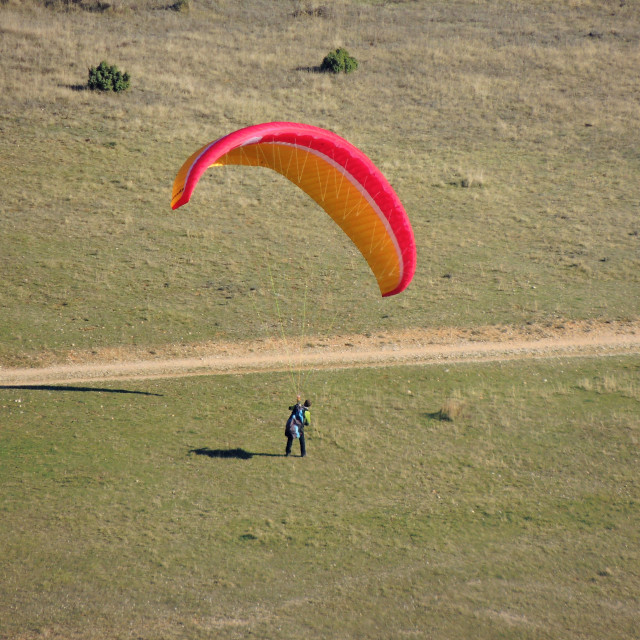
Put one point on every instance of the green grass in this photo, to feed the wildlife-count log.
(517, 519)
(509, 135)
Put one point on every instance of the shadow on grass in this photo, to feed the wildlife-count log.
(59, 387)
(239, 454)
(436, 415)
(317, 69)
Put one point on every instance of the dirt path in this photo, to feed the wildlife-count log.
(384, 349)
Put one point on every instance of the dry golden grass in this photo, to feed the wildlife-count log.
(452, 409)
(510, 134)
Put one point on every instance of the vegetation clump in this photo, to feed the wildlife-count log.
(451, 410)
(181, 6)
(96, 6)
(339, 61)
(313, 11)
(108, 78)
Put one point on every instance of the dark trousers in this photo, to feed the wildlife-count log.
(303, 450)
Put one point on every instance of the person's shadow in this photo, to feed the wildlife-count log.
(238, 454)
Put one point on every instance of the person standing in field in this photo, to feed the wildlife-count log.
(298, 420)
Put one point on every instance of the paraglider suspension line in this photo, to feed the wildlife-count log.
(292, 372)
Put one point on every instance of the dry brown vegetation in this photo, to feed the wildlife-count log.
(509, 131)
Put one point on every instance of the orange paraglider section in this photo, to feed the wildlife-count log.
(337, 175)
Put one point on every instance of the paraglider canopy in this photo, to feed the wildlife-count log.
(337, 175)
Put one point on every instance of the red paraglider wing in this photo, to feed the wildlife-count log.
(337, 175)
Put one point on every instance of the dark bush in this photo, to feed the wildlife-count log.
(339, 61)
(108, 78)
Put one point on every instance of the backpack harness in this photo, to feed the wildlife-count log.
(295, 422)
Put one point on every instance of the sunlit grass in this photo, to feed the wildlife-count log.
(166, 507)
(467, 501)
(509, 137)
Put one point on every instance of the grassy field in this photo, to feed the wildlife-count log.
(510, 133)
(165, 509)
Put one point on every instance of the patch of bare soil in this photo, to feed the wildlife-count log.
(416, 346)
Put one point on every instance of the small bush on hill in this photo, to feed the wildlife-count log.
(108, 78)
(339, 61)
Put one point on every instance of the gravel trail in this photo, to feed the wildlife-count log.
(423, 346)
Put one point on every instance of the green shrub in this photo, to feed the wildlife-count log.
(108, 78)
(339, 61)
